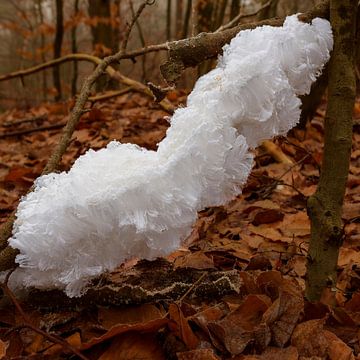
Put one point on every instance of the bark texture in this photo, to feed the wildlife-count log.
(59, 35)
(325, 206)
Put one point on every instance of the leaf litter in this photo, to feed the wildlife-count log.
(262, 236)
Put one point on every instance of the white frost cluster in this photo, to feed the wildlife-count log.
(125, 201)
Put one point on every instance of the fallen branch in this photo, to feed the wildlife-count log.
(277, 154)
(28, 131)
(110, 71)
(148, 281)
(25, 120)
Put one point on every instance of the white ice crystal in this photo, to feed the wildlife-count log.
(124, 201)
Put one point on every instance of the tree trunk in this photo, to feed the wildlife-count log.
(42, 44)
(179, 18)
(57, 46)
(103, 36)
(324, 207)
(235, 8)
(74, 51)
(168, 21)
(187, 19)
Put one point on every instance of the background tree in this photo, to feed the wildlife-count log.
(59, 34)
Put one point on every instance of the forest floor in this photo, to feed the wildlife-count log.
(257, 245)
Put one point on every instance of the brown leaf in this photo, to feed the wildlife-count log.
(20, 174)
(181, 328)
(347, 256)
(150, 326)
(283, 315)
(198, 354)
(134, 346)
(197, 260)
(296, 225)
(267, 217)
(338, 350)
(210, 314)
(309, 338)
(244, 325)
(74, 340)
(3, 347)
(108, 317)
(354, 303)
(272, 353)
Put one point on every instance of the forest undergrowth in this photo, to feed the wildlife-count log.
(240, 276)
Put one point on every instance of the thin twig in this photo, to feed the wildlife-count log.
(241, 16)
(110, 94)
(28, 324)
(192, 287)
(133, 21)
(142, 40)
(7, 255)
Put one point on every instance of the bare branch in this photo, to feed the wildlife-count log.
(240, 16)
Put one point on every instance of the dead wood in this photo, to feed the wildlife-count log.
(148, 281)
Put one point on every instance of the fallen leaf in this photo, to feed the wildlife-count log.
(309, 339)
(267, 217)
(181, 328)
(197, 260)
(297, 225)
(134, 346)
(150, 326)
(244, 325)
(283, 315)
(347, 256)
(272, 353)
(338, 350)
(198, 354)
(3, 347)
(109, 317)
(74, 340)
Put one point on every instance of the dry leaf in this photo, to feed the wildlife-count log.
(272, 353)
(309, 339)
(74, 340)
(197, 260)
(198, 354)
(244, 325)
(3, 347)
(283, 315)
(134, 346)
(108, 317)
(181, 328)
(338, 350)
(150, 326)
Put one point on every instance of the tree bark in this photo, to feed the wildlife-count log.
(103, 36)
(186, 19)
(168, 20)
(325, 206)
(42, 44)
(235, 8)
(74, 51)
(57, 46)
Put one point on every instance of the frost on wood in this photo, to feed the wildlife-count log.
(124, 201)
